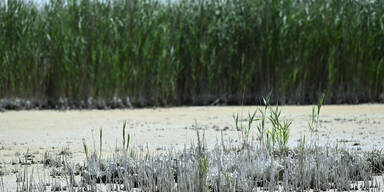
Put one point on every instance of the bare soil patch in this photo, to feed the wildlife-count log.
(357, 127)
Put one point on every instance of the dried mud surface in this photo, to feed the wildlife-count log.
(358, 127)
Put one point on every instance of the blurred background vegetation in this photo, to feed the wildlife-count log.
(191, 52)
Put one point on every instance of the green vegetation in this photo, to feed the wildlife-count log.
(315, 123)
(191, 51)
(278, 133)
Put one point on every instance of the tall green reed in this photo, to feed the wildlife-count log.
(192, 51)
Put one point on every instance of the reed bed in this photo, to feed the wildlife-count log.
(117, 53)
(227, 168)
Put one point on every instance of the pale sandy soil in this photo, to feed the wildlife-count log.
(358, 127)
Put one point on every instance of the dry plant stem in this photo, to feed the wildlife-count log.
(101, 142)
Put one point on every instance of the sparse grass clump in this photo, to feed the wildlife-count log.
(237, 169)
(104, 53)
